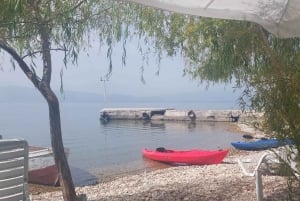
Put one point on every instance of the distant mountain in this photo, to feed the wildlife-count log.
(23, 94)
(197, 97)
(19, 94)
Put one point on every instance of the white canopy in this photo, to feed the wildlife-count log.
(280, 17)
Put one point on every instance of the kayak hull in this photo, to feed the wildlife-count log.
(190, 157)
(44, 176)
(260, 144)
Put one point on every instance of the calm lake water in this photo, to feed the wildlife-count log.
(100, 151)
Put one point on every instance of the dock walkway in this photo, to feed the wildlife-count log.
(170, 114)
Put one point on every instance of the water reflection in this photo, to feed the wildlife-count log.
(155, 165)
(158, 125)
(192, 125)
(170, 125)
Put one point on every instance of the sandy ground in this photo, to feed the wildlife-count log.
(222, 182)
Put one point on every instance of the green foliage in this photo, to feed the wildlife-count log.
(73, 26)
(225, 51)
(266, 67)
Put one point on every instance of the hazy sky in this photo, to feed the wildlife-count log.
(124, 80)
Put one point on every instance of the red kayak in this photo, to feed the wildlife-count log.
(190, 157)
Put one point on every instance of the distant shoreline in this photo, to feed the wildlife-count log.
(16, 94)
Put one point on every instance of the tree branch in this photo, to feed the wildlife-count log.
(40, 51)
(267, 45)
(78, 5)
(25, 68)
(70, 10)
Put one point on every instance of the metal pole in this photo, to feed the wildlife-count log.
(259, 187)
(104, 80)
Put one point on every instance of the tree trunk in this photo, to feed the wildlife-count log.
(58, 148)
(54, 115)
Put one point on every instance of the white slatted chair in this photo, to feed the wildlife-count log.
(256, 172)
(278, 155)
(13, 170)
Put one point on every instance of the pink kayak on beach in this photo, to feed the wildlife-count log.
(189, 157)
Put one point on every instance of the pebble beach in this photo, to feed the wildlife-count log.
(224, 181)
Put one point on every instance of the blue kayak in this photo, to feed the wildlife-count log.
(261, 144)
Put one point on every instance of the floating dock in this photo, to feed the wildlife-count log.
(169, 114)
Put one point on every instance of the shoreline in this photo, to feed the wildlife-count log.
(224, 181)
